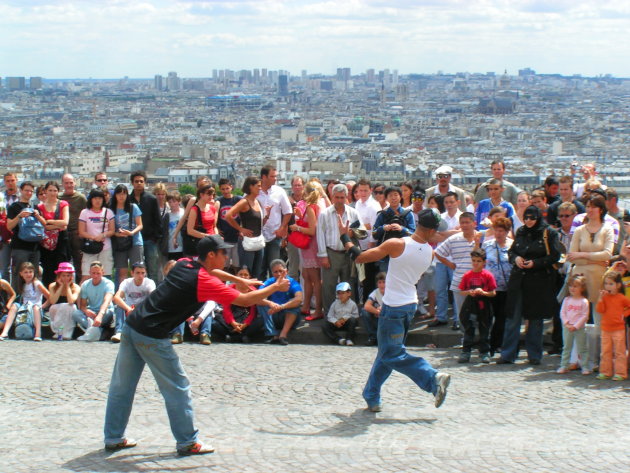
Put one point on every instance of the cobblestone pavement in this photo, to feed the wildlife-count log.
(299, 408)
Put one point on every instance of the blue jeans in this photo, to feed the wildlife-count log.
(393, 326)
(442, 278)
(512, 334)
(272, 322)
(206, 327)
(135, 351)
(272, 252)
(370, 323)
(152, 260)
(252, 259)
(82, 320)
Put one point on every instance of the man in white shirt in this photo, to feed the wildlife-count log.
(275, 202)
(367, 208)
(336, 263)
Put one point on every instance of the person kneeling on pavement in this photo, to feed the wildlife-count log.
(342, 315)
(96, 310)
(281, 310)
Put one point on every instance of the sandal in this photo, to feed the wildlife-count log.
(310, 318)
(37, 339)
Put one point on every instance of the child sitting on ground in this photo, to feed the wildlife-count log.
(372, 309)
(614, 307)
(478, 286)
(342, 315)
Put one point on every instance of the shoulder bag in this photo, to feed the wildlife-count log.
(92, 247)
(189, 243)
(258, 242)
(124, 243)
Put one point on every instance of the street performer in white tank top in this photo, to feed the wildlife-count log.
(409, 259)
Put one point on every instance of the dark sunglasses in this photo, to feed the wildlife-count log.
(378, 192)
(565, 215)
(529, 217)
(443, 176)
(102, 180)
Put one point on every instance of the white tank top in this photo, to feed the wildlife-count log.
(405, 271)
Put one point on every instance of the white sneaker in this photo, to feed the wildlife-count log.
(116, 337)
(342, 341)
(442, 380)
(349, 343)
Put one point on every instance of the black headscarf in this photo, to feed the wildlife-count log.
(533, 211)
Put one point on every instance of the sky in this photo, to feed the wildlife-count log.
(136, 38)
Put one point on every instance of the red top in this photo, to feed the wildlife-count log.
(208, 218)
(228, 315)
(483, 279)
(51, 215)
(613, 307)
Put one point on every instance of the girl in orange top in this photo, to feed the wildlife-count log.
(614, 307)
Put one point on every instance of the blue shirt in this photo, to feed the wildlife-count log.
(122, 222)
(484, 208)
(283, 297)
(384, 217)
(96, 294)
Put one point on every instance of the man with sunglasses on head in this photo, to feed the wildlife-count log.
(145, 340)
(443, 178)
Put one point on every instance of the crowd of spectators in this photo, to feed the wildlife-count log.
(508, 257)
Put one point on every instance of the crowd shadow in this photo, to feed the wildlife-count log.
(109, 462)
(353, 425)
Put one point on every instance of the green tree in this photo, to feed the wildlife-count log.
(187, 189)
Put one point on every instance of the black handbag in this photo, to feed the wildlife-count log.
(92, 247)
(190, 242)
(123, 243)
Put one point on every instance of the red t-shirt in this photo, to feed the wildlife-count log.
(484, 280)
(51, 215)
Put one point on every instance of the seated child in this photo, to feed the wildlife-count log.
(238, 323)
(342, 315)
(478, 286)
(372, 309)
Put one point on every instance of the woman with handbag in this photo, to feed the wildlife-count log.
(54, 246)
(96, 227)
(303, 234)
(202, 219)
(252, 215)
(127, 244)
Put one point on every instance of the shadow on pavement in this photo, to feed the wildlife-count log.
(103, 461)
(351, 425)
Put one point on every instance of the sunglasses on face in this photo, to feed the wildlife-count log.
(102, 180)
(565, 215)
(529, 217)
(417, 199)
(443, 176)
(378, 192)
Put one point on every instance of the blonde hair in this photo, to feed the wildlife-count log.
(312, 193)
(159, 187)
(578, 280)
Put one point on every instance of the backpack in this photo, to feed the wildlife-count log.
(24, 322)
(31, 229)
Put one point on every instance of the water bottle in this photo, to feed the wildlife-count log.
(193, 329)
(59, 334)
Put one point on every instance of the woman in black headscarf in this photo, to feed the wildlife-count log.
(531, 287)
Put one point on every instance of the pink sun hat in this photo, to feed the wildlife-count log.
(65, 268)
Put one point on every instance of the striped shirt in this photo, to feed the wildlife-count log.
(457, 249)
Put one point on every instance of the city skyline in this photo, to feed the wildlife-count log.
(55, 39)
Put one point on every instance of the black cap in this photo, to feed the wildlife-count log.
(431, 218)
(417, 195)
(211, 243)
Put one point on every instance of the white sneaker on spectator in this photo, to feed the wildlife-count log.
(116, 337)
(93, 334)
(342, 341)
(349, 343)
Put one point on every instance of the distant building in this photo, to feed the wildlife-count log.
(173, 82)
(496, 105)
(283, 85)
(229, 101)
(158, 83)
(35, 83)
(15, 83)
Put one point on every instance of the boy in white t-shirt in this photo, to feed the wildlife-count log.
(372, 309)
(131, 292)
(175, 245)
